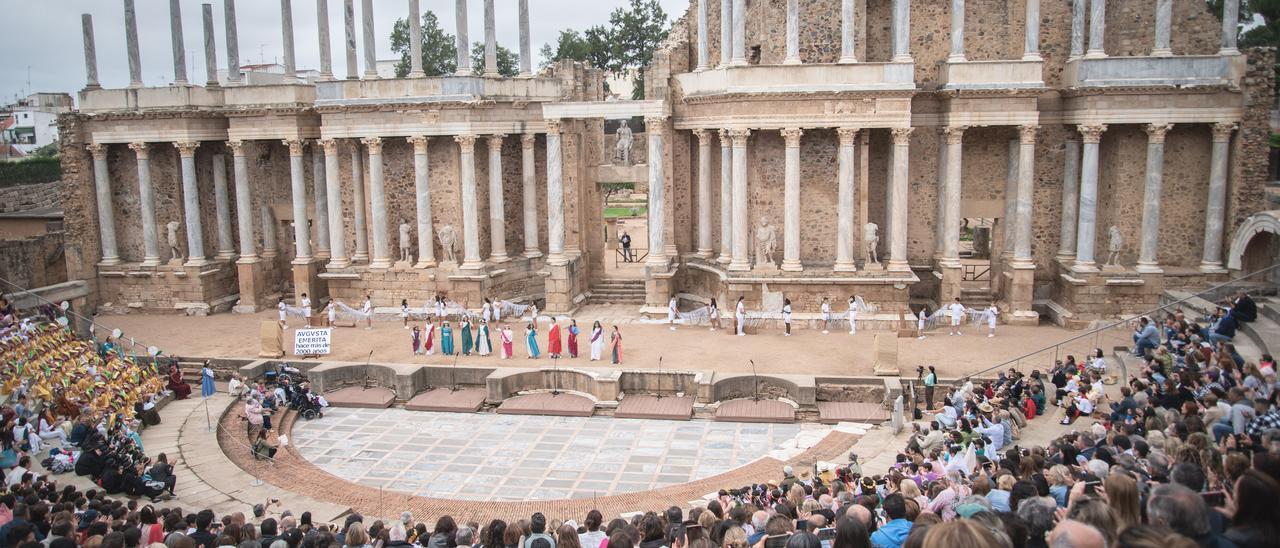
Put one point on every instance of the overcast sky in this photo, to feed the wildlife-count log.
(44, 37)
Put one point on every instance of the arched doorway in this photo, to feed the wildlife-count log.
(1256, 244)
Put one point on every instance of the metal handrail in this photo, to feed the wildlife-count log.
(1097, 330)
(637, 254)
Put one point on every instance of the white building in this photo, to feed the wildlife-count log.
(32, 122)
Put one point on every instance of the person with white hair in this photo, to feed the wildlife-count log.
(396, 535)
(464, 537)
(1076, 534)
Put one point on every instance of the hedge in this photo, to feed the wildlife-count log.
(31, 170)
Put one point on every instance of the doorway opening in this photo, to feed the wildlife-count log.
(976, 248)
(626, 229)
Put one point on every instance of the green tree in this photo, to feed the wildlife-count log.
(439, 49)
(628, 42)
(593, 47)
(508, 61)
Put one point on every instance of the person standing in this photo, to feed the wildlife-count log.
(853, 315)
(404, 312)
(826, 315)
(573, 338)
(464, 333)
(930, 382)
(739, 316)
(428, 335)
(553, 339)
(713, 313)
(483, 345)
(597, 341)
(956, 311)
(920, 319)
(332, 311)
(786, 317)
(206, 380)
(626, 247)
(486, 311)
(367, 310)
(446, 338)
(531, 340)
(506, 341)
(673, 312)
(284, 313)
(440, 308)
(992, 314)
(306, 309)
(615, 346)
(416, 338)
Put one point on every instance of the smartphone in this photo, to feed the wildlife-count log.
(1215, 499)
(827, 535)
(776, 541)
(1091, 487)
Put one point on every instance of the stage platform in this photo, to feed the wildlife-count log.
(466, 400)
(358, 396)
(748, 410)
(644, 406)
(546, 403)
(831, 412)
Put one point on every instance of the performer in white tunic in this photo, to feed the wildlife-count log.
(497, 311)
(991, 314)
(853, 315)
(404, 312)
(673, 312)
(786, 317)
(956, 311)
(332, 309)
(284, 312)
(486, 311)
(533, 314)
(740, 316)
(367, 310)
(483, 345)
(826, 315)
(597, 341)
(714, 314)
(920, 324)
(306, 309)
(440, 310)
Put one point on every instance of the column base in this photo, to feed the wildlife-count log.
(1095, 54)
(557, 259)
(657, 260)
(338, 262)
(845, 266)
(1149, 268)
(701, 68)
(471, 264)
(904, 58)
(1213, 267)
(1162, 52)
(897, 265)
(248, 259)
(1084, 266)
(954, 58)
(949, 262)
(792, 266)
(703, 253)
(738, 62)
(847, 60)
(1022, 263)
(532, 253)
(792, 61)
(723, 259)
(1032, 57)
(499, 258)
(322, 254)
(360, 258)
(424, 263)
(225, 256)
(380, 263)
(739, 265)
(1229, 51)
(1065, 257)
(417, 74)
(150, 262)
(196, 262)
(110, 261)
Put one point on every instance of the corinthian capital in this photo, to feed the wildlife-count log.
(704, 136)
(1222, 131)
(495, 142)
(1157, 132)
(467, 142)
(140, 149)
(655, 125)
(237, 147)
(295, 146)
(527, 140)
(1027, 134)
(553, 125)
(847, 135)
(954, 134)
(902, 135)
(374, 144)
(739, 137)
(1091, 133)
(419, 143)
(792, 136)
(99, 151)
(330, 146)
(187, 149)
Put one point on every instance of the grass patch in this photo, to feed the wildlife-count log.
(616, 212)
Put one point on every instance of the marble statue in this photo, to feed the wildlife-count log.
(622, 150)
(448, 239)
(766, 243)
(871, 240)
(405, 242)
(175, 251)
(1114, 246)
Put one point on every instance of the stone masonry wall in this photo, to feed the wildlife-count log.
(28, 197)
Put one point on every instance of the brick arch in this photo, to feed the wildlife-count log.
(1266, 221)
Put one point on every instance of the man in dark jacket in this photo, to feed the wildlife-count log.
(202, 536)
(269, 533)
(1244, 309)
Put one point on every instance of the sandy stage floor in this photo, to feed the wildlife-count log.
(805, 352)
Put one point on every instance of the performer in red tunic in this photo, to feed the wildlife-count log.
(573, 338)
(553, 339)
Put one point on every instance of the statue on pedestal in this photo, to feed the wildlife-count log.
(870, 240)
(766, 244)
(175, 252)
(448, 240)
(622, 150)
(405, 242)
(1114, 246)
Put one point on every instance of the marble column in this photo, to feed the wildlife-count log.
(322, 34)
(378, 205)
(1010, 201)
(319, 189)
(529, 194)
(901, 31)
(497, 208)
(1026, 195)
(1070, 198)
(555, 196)
(131, 44)
(793, 33)
(1078, 8)
(1031, 45)
(1215, 207)
(848, 32)
(233, 41)
(1230, 27)
(703, 55)
(415, 40)
(463, 43)
(1086, 230)
(898, 188)
(957, 32)
(333, 205)
(739, 33)
(358, 203)
(349, 32)
(210, 48)
(269, 249)
(106, 213)
(222, 208)
(191, 203)
(846, 172)
(526, 50)
(244, 202)
(286, 31)
(951, 196)
(940, 224)
(470, 221)
(654, 128)
(370, 46)
(791, 200)
(741, 237)
(179, 51)
(1164, 28)
(726, 33)
(490, 41)
(422, 202)
(1097, 29)
(1148, 255)
(726, 197)
(147, 199)
(704, 192)
(90, 53)
(298, 196)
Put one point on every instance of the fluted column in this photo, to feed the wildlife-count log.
(244, 203)
(1164, 28)
(131, 43)
(1097, 28)
(222, 208)
(1215, 207)
(704, 192)
(739, 32)
(703, 55)
(793, 33)
(846, 174)
(555, 196)
(1070, 197)
(470, 218)
(147, 200)
(286, 30)
(654, 128)
(358, 204)
(269, 249)
(1078, 9)
(191, 203)
(951, 196)
(529, 194)
(526, 51)
(463, 44)
(1086, 230)
(370, 50)
(497, 205)
(179, 51)
(319, 189)
(378, 205)
(106, 213)
(233, 42)
(333, 202)
(1010, 201)
(726, 33)
(322, 34)
(298, 187)
(726, 197)
(349, 33)
(210, 47)
(741, 237)
(1031, 44)
(1230, 26)
(490, 41)
(791, 200)
(415, 40)
(1148, 253)
(1026, 194)
(422, 201)
(957, 32)
(901, 31)
(898, 217)
(848, 32)
(90, 52)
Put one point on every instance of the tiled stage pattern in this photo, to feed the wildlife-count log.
(492, 457)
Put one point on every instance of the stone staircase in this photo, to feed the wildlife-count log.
(617, 292)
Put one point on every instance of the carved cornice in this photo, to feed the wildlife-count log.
(1091, 133)
(847, 135)
(154, 115)
(237, 147)
(989, 92)
(99, 151)
(795, 95)
(140, 149)
(406, 107)
(703, 135)
(527, 140)
(1222, 131)
(495, 142)
(1157, 132)
(467, 142)
(330, 146)
(292, 109)
(792, 136)
(954, 134)
(1027, 134)
(374, 144)
(902, 135)
(419, 143)
(187, 149)
(296, 146)
(1144, 90)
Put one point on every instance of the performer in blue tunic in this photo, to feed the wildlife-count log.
(531, 340)
(206, 381)
(446, 339)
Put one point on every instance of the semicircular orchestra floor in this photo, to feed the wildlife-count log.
(490, 457)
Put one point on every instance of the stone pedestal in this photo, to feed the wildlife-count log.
(949, 282)
(560, 284)
(885, 353)
(306, 280)
(658, 288)
(1082, 297)
(1019, 286)
(253, 285)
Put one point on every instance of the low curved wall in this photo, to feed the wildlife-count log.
(503, 383)
(800, 388)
